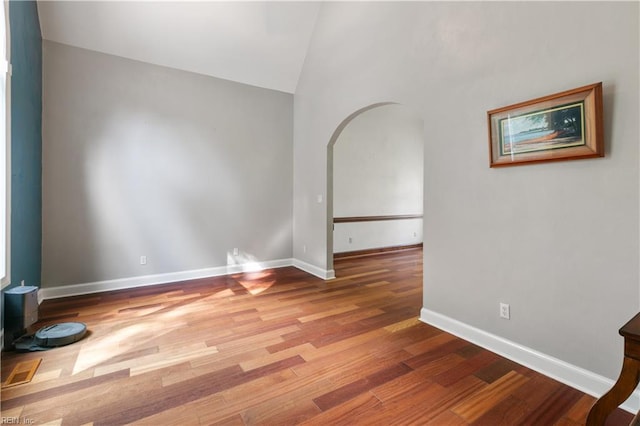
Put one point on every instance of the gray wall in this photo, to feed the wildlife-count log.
(377, 171)
(141, 160)
(558, 241)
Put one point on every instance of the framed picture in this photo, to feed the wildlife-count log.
(563, 126)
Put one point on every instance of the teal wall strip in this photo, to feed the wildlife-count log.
(26, 143)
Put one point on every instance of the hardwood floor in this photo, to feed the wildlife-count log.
(279, 347)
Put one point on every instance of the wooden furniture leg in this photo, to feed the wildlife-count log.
(628, 379)
(626, 384)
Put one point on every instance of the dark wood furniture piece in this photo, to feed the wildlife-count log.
(628, 379)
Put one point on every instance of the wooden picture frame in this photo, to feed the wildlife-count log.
(563, 126)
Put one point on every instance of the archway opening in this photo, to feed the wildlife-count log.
(375, 162)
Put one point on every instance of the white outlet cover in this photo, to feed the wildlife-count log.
(505, 311)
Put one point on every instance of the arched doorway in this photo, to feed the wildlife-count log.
(375, 181)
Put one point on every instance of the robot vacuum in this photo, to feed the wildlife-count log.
(52, 336)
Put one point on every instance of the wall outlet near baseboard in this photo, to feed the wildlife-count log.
(143, 260)
(505, 311)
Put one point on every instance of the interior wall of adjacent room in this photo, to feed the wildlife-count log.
(377, 171)
(143, 160)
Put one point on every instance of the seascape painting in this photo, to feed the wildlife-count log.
(563, 126)
(543, 130)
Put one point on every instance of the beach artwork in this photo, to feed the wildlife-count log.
(563, 126)
(550, 129)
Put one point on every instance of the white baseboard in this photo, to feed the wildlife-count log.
(156, 279)
(571, 375)
(314, 270)
(159, 279)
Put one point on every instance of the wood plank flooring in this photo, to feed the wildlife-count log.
(279, 347)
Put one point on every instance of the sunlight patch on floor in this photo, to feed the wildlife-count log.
(113, 343)
(250, 266)
(403, 324)
(256, 282)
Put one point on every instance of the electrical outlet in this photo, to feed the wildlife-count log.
(505, 311)
(304, 248)
(143, 260)
(350, 240)
(236, 251)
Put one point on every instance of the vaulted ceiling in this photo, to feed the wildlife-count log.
(263, 44)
